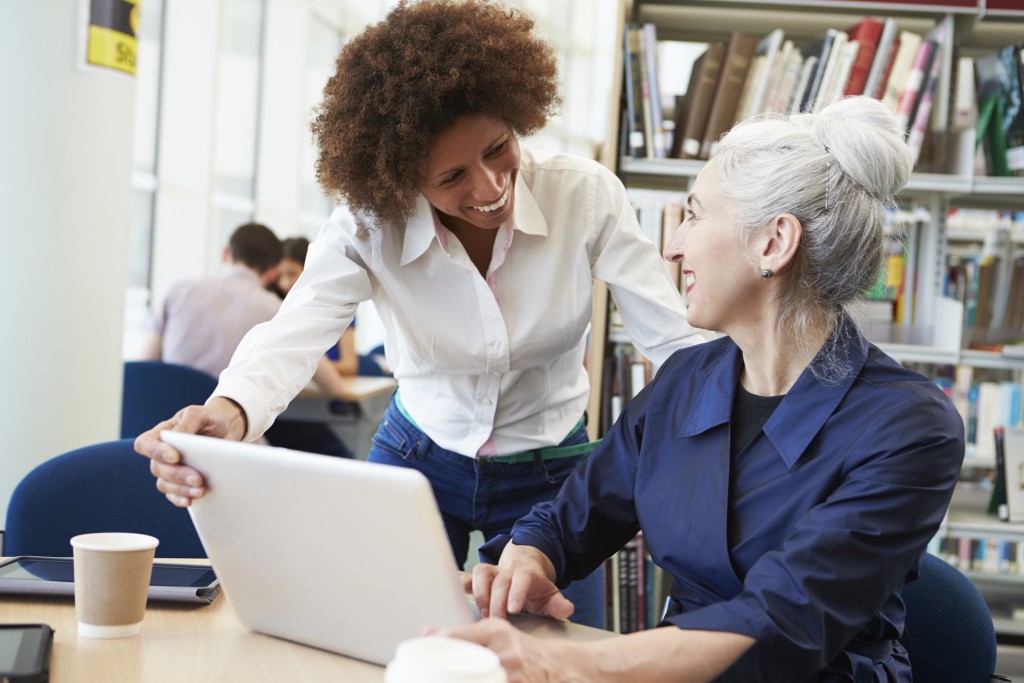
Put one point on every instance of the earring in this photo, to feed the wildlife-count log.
(766, 273)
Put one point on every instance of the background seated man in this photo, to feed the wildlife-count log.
(200, 321)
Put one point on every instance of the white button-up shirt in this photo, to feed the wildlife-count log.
(485, 365)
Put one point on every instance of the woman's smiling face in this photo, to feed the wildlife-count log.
(470, 172)
(721, 285)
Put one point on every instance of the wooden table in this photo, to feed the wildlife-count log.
(205, 644)
(369, 397)
(355, 388)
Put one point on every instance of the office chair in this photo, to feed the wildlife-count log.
(368, 367)
(949, 633)
(104, 487)
(154, 391)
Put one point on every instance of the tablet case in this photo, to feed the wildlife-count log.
(202, 595)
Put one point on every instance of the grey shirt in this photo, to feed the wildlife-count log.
(202, 321)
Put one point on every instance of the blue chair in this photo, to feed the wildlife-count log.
(368, 367)
(104, 487)
(949, 633)
(154, 391)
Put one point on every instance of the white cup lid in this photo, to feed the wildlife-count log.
(114, 541)
(436, 659)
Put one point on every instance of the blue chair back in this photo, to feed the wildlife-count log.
(949, 632)
(155, 391)
(368, 367)
(104, 487)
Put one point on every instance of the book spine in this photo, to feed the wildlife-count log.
(881, 59)
(998, 506)
(828, 76)
(640, 562)
(807, 104)
(734, 75)
(883, 80)
(915, 81)
(635, 136)
(788, 83)
(866, 34)
(709, 69)
(903, 62)
(964, 109)
(656, 131)
(806, 73)
(842, 76)
(919, 126)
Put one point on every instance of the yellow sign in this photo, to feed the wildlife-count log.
(112, 39)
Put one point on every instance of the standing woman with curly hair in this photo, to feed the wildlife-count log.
(479, 255)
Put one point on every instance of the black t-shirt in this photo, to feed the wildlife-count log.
(749, 413)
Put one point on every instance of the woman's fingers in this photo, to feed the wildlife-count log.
(482, 580)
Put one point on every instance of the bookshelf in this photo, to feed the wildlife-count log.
(949, 176)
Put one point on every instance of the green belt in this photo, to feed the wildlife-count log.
(549, 453)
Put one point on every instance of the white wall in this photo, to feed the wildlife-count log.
(65, 192)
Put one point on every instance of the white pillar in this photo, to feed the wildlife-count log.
(65, 212)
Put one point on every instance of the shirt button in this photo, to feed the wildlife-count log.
(497, 346)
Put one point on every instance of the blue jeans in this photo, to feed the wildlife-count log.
(489, 497)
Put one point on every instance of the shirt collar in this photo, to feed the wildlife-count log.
(421, 228)
(241, 271)
(419, 231)
(805, 408)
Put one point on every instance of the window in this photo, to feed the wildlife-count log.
(322, 50)
(147, 124)
(236, 120)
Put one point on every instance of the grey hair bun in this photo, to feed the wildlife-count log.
(867, 142)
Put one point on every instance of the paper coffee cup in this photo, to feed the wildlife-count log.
(435, 659)
(112, 572)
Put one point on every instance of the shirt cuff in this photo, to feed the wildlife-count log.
(248, 396)
(722, 616)
(490, 552)
(554, 551)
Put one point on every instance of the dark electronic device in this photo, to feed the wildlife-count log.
(25, 653)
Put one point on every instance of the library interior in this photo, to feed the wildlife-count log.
(150, 130)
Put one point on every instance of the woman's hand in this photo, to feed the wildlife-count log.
(526, 659)
(221, 418)
(521, 581)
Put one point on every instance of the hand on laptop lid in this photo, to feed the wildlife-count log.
(221, 418)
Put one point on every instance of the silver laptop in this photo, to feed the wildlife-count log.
(344, 555)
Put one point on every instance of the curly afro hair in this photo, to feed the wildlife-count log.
(402, 81)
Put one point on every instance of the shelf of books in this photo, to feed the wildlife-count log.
(950, 301)
(950, 68)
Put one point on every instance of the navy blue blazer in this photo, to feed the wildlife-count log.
(804, 540)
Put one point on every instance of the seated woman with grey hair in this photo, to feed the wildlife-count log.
(788, 475)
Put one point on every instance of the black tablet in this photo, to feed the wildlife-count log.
(31, 575)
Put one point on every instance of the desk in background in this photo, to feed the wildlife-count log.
(367, 398)
(205, 644)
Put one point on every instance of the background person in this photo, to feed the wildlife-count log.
(343, 355)
(790, 475)
(200, 322)
(478, 254)
(293, 262)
